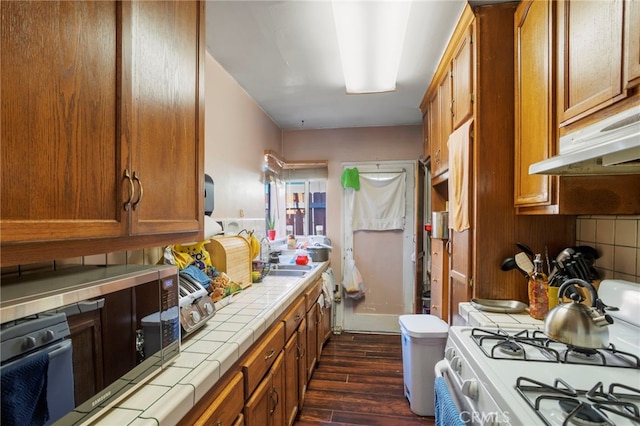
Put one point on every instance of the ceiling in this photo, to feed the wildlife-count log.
(285, 55)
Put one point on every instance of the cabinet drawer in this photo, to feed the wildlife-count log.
(261, 358)
(312, 294)
(224, 410)
(293, 318)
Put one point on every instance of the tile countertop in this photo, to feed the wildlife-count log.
(477, 318)
(210, 352)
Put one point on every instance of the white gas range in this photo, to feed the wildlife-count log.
(520, 377)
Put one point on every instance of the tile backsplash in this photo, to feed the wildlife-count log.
(617, 241)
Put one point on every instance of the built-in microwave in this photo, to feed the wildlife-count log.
(78, 340)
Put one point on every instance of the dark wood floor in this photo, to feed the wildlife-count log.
(359, 382)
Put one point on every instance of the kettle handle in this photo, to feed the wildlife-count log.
(579, 283)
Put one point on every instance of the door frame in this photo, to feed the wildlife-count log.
(386, 323)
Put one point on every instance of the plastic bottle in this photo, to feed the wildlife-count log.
(538, 290)
(291, 242)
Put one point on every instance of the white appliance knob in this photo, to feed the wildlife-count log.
(456, 364)
(450, 352)
(208, 307)
(195, 316)
(29, 342)
(48, 336)
(470, 389)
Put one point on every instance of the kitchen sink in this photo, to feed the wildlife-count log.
(291, 267)
(287, 273)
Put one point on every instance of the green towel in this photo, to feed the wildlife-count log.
(351, 179)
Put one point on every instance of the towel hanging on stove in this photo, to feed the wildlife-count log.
(446, 412)
(24, 391)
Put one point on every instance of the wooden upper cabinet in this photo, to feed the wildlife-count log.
(632, 43)
(425, 135)
(536, 131)
(462, 80)
(440, 125)
(163, 96)
(60, 166)
(102, 128)
(589, 61)
(534, 101)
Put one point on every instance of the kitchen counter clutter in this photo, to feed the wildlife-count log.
(476, 318)
(211, 352)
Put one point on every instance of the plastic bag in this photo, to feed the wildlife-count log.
(353, 282)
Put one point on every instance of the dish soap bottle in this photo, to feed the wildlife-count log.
(538, 290)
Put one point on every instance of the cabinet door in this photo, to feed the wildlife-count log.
(326, 324)
(278, 392)
(425, 135)
(462, 80)
(433, 115)
(441, 106)
(227, 406)
(302, 362)
(257, 407)
(86, 338)
(60, 166)
(632, 42)
(163, 91)
(534, 116)
(460, 271)
(439, 279)
(291, 379)
(446, 121)
(312, 339)
(589, 56)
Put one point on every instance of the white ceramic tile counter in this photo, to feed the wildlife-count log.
(476, 318)
(209, 353)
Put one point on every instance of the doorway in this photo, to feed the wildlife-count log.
(385, 258)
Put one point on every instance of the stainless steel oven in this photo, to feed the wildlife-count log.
(77, 340)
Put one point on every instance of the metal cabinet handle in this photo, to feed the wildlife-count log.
(127, 203)
(140, 190)
(270, 354)
(301, 351)
(275, 398)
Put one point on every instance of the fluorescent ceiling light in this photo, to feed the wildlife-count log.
(370, 35)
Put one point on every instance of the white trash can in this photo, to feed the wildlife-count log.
(423, 341)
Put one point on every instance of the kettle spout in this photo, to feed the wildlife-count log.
(601, 320)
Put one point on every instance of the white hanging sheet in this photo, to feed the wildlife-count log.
(379, 205)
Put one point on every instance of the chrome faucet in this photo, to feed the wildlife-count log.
(263, 258)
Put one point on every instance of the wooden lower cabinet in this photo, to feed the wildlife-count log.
(302, 362)
(312, 339)
(226, 408)
(291, 396)
(439, 279)
(265, 407)
(268, 384)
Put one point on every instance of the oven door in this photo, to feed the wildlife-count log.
(473, 402)
(21, 395)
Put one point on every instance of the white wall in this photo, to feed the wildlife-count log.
(237, 132)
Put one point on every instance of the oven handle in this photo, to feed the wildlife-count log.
(440, 367)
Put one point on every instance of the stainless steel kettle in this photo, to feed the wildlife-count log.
(576, 324)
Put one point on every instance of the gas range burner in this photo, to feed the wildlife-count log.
(561, 404)
(523, 345)
(534, 345)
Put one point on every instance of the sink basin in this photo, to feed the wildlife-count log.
(287, 273)
(291, 267)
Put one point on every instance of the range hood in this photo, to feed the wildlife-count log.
(608, 147)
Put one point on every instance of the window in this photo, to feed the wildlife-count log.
(306, 207)
(295, 196)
